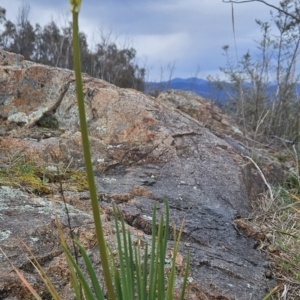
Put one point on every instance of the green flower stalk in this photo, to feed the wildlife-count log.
(75, 9)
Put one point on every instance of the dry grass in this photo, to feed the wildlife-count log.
(275, 225)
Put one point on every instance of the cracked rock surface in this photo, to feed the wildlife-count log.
(143, 151)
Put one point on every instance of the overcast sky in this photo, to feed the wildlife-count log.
(189, 33)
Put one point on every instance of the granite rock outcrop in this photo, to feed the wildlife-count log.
(144, 150)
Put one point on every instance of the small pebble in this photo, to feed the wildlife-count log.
(269, 236)
(271, 248)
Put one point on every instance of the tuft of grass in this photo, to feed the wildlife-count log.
(137, 272)
(23, 173)
(277, 224)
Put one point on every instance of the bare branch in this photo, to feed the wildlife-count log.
(266, 3)
(262, 176)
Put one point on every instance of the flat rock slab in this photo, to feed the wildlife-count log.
(29, 219)
(143, 151)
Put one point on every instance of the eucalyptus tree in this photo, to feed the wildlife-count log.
(52, 45)
(2, 14)
(23, 37)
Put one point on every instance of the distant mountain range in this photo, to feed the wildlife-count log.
(201, 87)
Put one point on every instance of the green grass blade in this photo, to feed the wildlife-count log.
(86, 288)
(171, 280)
(166, 234)
(145, 274)
(186, 274)
(118, 284)
(153, 259)
(125, 262)
(163, 250)
(139, 276)
(161, 254)
(123, 255)
(131, 266)
(91, 271)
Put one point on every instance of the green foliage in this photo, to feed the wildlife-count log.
(135, 276)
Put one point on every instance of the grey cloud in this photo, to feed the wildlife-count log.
(190, 32)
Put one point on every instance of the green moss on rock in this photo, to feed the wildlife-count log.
(39, 180)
